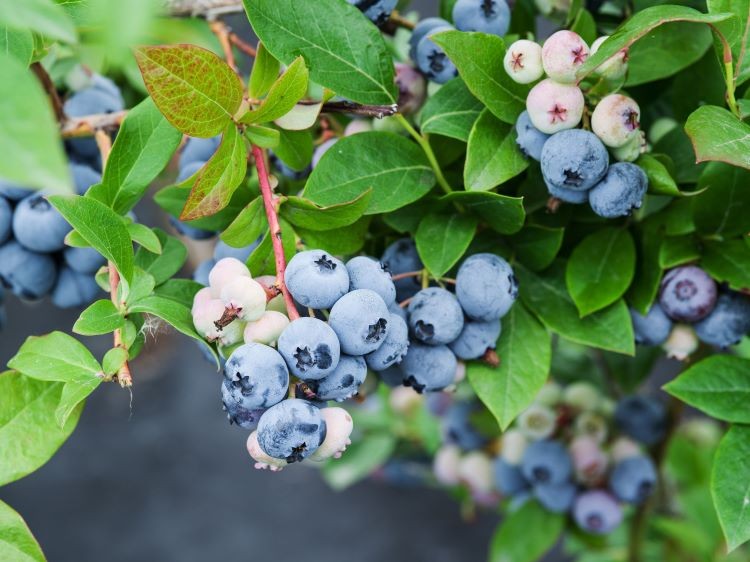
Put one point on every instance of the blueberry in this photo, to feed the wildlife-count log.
(402, 257)
(457, 426)
(197, 152)
(394, 347)
(568, 195)
(557, 498)
(90, 101)
(288, 171)
(13, 192)
(316, 279)
(687, 294)
(546, 462)
(412, 89)
(28, 274)
(597, 512)
(528, 138)
(620, 191)
(235, 405)
(200, 275)
(642, 418)
(367, 273)
(574, 159)
(83, 260)
(393, 376)
(310, 348)
(38, 226)
(224, 250)
(107, 86)
(486, 287)
(343, 382)
(378, 11)
(192, 232)
(727, 323)
(653, 328)
(432, 60)
(291, 430)
(633, 479)
(420, 30)
(508, 478)
(427, 368)
(258, 375)
(84, 176)
(486, 16)
(435, 317)
(360, 320)
(6, 220)
(475, 339)
(74, 289)
(398, 311)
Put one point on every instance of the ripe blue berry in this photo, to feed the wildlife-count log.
(316, 279)
(508, 478)
(223, 250)
(367, 273)
(83, 260)
(310, 348)
(557, 498)
(620, 191)
(457, 426)
(687, 294)
(435, 317)
(393, 376)
(360, 320)
(528, 138)
(641, 417)
(432, 60)
(343, 382)
(568, 195)
(546, 462)
(29, 275)
(427, 368)
(197, 152)
(727, 323)
(574, 159)
(420, 30)
(402, 257)
(200, 275)
(38, 226)
(377, 11)
(486, 16)
(258, 374)
(90, 101)
(6, 219)
(486, 287)
(291, 430)
(475, 339)
(597, 512)
(13, 192)
(235, 405)
(394, 347)
(74, 289)
(653, 328)
(84, 177)
(633, 479)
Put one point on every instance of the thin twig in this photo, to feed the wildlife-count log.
(406, 275)
(88, 125)
(377, 111)
(401, 21)
(49, 88)
(246, 48)
(209, 9)
(221, 30)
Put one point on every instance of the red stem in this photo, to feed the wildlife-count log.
(275, 230)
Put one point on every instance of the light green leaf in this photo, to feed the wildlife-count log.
(736, 32)
(730, 485)
(162, 266)
(660, 181)
(250, 223)
(143, 235)
(361, 459)
(306, 214)
(17, 544)
(442, 239)
(180, 290)
(56, 357)
(451, 112)
(262, 260)
(42, 16)
(18, 43)
(264, 73)
(492, 156)
(526, 534)
(501, 213)
(283, 96)
(264, 137)
(101, 317)
(114, 359)
(142, 286)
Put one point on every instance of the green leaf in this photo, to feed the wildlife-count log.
(144, 145)
(479, 59)
(343, 51)
(56, 357)
(18, 43)
(30, 143)
(677, 146)
(642, 24)
(526, 534)
(677, 250)
(143, 235)
(264, 137)
(525, 354)
(600, 269)
(718, 135)
(537, 246)
(547, 297)
(17, 544)
(101, 317)
(163, 266)
(728, 262)
(501, 213)
(647, 271)
(42, 16)
(193, 88)
(142, 286)
(283, 96)
(660, 181)
(723, 209)
(101, 227)
(180, 290)
(306, 214)
(219, 178)
(295, 149)
(262, 260)
(113, 360)
(264, 73)
(28, 428)
(341, 241)
(361, 459)
(442, 239)
(492, 156)
(398, 172)
(718, 386)
(730, 482)
(250, 223)
(451, 111)
(736, 33)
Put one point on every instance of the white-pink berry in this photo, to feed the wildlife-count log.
(267, 328)
(225, 270)
(613, 68)
(589, 461)
(475, 470)
(357, 126)
(202, 297)
(513, 446)
(616, 120)
(276, 303)
(681, 343)
(523, 61)
(339, 426)
(205, 315)
(262, 460)
(231, 333)
(445, 465)
(404, 399)
(623, 448)
(554, 107)
(562, 54)
(460, 372)
(246, 296)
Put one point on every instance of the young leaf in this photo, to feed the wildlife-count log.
(143, 235)
(306, 214)
(219, 178)
(525, 353)
(193, 88)
(250, 223)
(723, 209)
(362, 459)
(600, 269)
(501, 213)
(492, 156)
(536, 246)
(526, 534)
(143, 147)
(398, 172)
(264, 73)
(27, 422)
(730, 482)
(29, 138)
(113, 360)
(728, 262)
(283, 96)
(442, 239)
(295, 149)
(101, 317)
(479, 59)
(343, 51)
(718, 135)
(263, 136)
(42, 16)
(451, 111)
(718, 386)
(162, 266)
(660, 181)
(17, 544)
(180, 290)
(101, 227)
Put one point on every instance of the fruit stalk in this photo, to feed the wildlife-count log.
(275, 229)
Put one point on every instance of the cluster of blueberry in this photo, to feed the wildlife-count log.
(34, 260)
(688, 295)
(486, 16)
(446, 326)
(573, 450)
(575, 162)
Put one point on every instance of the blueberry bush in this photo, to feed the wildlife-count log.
(502, 251)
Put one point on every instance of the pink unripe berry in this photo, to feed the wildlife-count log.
(615, 67)
(475, 470)
(412, 88)
(246, 296)
(616, 120)
(513, 446)
(202, 297)
(589, 461)
(262, 460)
(267, 328)
(554, 107)
(225, 270)
(623, 448)
(562, 54)
(523, 61)
(460, 372)
(320, 150)
(339, 426)
(357, 126)
(205, 315)
(445, 465)
(404, 399)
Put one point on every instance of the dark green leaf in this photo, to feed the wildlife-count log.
(677, 250)
(306, 214)
(536, 246)
(647, 271)
(102, 317)
(659, 180)
(526, 534)
(728, 262)
(262, 260)
(342, 241)
(442, 239)
(724, 208)
(501, 213)
(451, 112)
(730, 481)
(295, 149)
(718, 135)
(492, 156)
(250, 223)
